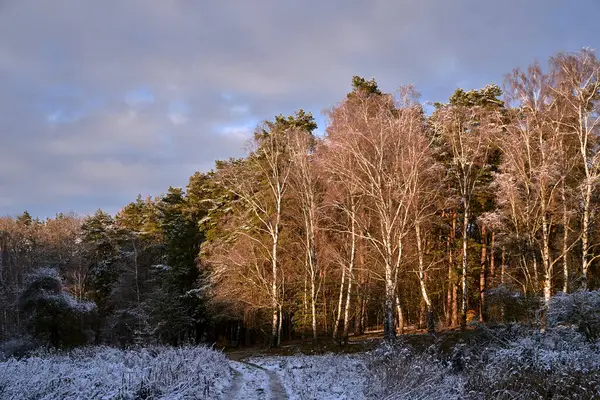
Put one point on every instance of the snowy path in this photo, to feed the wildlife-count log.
(251, 381)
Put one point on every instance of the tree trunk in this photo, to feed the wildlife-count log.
(502, 272)
(454, 322)
(465, 228)
(274, 326)
(585, 232)
(565, 240)
(358, 327)
(422, 277)
(482, 274)
(313, 307)
(279, 324)
(311, 256)
(350, 270)
(400, 317)
(492, 256)
(548, 270)
(305, 314)
(454, 303)
(274, 292)
(347, 311)
(536, 277)
(389, 331)
(450, 282)
(325, 324)
(339, 323)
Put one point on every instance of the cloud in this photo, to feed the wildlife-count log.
(104, 100)
(178, 112)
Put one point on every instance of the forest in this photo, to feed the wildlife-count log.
(403, 216)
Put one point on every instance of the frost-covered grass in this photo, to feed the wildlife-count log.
(108, 373)
(397, 372)
(330, 376)
(559, 364)
(502, 363)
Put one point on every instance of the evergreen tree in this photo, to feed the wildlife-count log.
(178, 306)
(54, 316)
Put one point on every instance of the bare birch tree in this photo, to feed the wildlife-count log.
(260, 183)
(578, 90)
(343, 199)
(306, 190)
(424, 178)
(530, 175)
(371, 130)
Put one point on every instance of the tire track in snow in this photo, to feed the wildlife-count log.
(275, 385)
(252, 381)
(236, 384)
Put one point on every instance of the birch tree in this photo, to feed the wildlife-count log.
(530, 177)
(307, 191)
(261, 183)
(370, 129)
(578, 90)
(423, 176)
(343, 204)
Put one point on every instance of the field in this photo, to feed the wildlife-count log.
(503, 363)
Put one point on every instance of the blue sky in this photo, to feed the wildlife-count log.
(104, 100)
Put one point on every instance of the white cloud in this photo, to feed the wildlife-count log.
(178, 118)
(238, 133)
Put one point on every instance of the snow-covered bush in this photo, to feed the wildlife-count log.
(108, 373)
(54, 316)
(398, 372)
(558, 364)
(580, 309)
(507, 362)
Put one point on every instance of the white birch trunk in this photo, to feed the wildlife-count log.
(338, 313)
(423, 286)
(565, 239)
(274, 289)
(465, 228)
(350, 272)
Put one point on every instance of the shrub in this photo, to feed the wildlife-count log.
(55, 317)
(558, 364)
(508, 306)
(397, 372)
(580, 309)
(108, 373)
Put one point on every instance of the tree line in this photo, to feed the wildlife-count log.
(401, 216)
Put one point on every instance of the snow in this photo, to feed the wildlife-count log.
(335, 377)
(161, 267)
(560, 363)
(82, 306)
(107, 373)
(186, 373)
(249, 382)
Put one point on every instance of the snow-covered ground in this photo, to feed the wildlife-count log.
(248, 382)
(186, 373)
(335, 377)
(106, 373)
(503, 364)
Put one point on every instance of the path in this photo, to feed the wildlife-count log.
(251, 381)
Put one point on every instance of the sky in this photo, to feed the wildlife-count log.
(104, 100)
